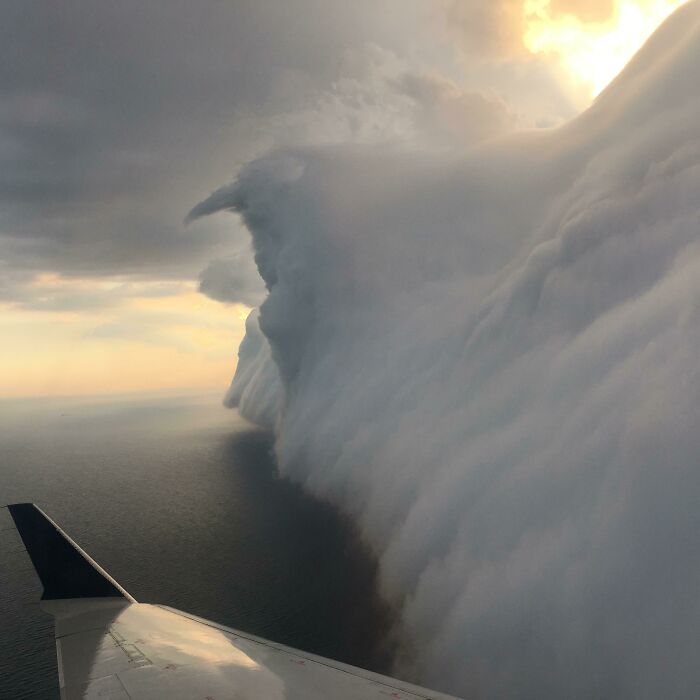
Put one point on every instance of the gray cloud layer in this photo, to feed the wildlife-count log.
(490, 361)
(112, 115)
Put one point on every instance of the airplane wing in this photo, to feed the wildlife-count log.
(110, 646)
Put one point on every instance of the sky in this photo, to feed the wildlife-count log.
(116, 118)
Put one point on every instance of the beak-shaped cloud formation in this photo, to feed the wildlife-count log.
(491, 362)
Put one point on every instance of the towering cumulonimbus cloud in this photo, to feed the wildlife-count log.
(490, 360)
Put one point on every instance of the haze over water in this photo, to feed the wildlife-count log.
(177, 498)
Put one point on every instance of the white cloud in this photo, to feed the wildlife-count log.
(489, 359)
(232, 280)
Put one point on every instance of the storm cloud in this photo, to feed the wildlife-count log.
(488, 358)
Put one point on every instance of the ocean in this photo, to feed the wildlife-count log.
(179, 500)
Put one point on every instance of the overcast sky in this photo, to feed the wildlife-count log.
(115, 118)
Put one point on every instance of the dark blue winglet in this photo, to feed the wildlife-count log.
(65, 570)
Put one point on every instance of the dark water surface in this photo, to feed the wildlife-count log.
(178, 499)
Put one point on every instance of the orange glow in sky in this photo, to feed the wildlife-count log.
(593, 50)
(143, 336)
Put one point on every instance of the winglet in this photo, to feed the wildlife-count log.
(65, 570)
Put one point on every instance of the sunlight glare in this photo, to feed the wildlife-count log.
(593, 53)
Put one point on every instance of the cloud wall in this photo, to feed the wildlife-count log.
(489, 359)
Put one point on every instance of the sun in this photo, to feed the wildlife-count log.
(593, 52)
